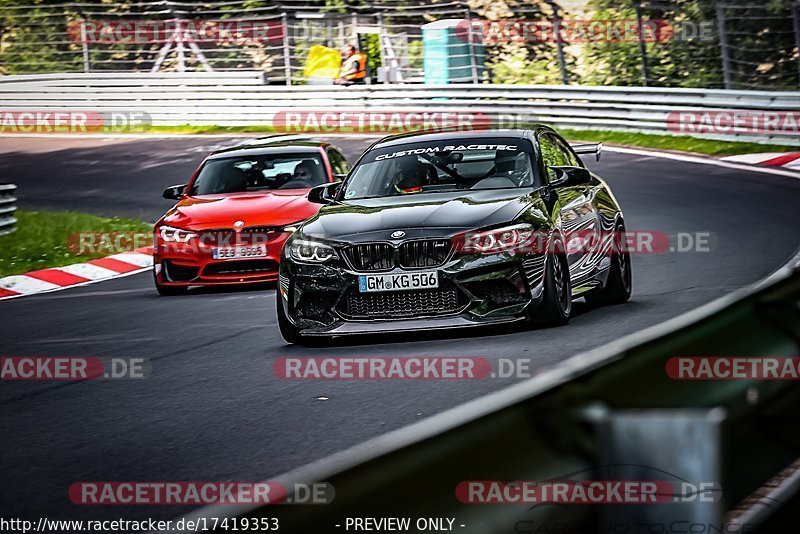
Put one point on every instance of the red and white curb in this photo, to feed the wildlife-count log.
(78, 274)
(787, 160)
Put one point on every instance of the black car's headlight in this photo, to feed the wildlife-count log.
(310, 251)
(508, 239)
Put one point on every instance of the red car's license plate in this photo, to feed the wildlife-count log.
(232, 253)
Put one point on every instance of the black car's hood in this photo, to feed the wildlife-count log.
(422, 215)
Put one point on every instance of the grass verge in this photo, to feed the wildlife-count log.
(42, 239)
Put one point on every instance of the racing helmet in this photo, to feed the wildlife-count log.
(411, 176)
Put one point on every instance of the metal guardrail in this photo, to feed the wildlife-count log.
(242, 99)
(609, 414)
(8, 223)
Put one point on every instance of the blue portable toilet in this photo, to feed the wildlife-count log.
(447, 55)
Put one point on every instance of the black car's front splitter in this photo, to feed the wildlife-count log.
(408, 325)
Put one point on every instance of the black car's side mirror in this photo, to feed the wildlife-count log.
(174, 192)
(567, 176)
(323, 194)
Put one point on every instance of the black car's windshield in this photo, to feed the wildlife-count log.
(260, 172)
(455, 165)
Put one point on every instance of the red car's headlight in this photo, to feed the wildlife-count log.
(175, 235)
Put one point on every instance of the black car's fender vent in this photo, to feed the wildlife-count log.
(402, 304)
(534, 269)
(409, 255)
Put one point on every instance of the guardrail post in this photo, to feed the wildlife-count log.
(8, 223)
(667, 445)
(723, 45)
(796, 20)
(287, 56)
(562, 63)
(85, 47)
(642, 43)
(473, 63)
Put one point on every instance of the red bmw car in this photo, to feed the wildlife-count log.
(233, 216)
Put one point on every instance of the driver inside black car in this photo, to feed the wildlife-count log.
(411, 176)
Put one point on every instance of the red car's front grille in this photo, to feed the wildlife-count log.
(239, 268)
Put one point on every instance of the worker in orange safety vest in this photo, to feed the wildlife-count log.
(354, 67)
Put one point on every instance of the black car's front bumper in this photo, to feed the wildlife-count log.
(474, 290)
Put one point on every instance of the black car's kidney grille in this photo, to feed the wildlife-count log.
(428, 253)
(399, 304)
(410, 255)
(371, 256)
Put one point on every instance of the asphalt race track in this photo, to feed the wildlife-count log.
(212, 408)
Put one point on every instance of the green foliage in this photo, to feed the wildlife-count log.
(371, 46)
(760, 44)
(522, 61)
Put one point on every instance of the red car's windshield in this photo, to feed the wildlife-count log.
(260, 172)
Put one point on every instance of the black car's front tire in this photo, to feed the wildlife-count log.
(618, 286)
(289, 332)
(556, 306)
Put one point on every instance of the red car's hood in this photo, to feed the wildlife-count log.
(264, 208)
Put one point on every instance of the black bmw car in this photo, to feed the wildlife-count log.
(455, 229)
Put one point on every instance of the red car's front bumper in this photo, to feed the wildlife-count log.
(192, 264)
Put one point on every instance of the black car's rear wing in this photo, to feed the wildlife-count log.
(588, 148)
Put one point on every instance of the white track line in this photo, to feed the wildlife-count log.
(703, 161)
